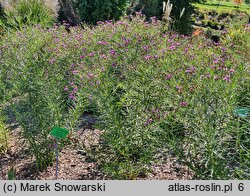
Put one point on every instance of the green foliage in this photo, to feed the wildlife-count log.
(179, 23)
(100, 10)
(150, 8)
(27, 12)
(11, 174)
(153, 94)
(3, 136)
(182, 24)
(38, 82)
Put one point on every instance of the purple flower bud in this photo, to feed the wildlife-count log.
(215, 61)
(52, 61)
(104, 56)
(90, 75)
(149, 120)
(113, 64)
(127, 42)
(172, 47)
(223, 49)
(66, 88)
(190, 70)
(232, 70)
(183, 104)
(91, 54)
(75, 72)
(148, 57)
(179, 88)
(102, 43)
(169, 76)
(112, 52)
(227, 78)
(54, 145)
(156, 56)
(71, 96)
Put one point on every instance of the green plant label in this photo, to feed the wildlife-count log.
(59, 133)
(241, 112)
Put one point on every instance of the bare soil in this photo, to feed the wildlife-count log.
(76, 160)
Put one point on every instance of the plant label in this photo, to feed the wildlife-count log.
(241, 112)
(59, 133)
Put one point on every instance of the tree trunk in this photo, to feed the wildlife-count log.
(68, 13)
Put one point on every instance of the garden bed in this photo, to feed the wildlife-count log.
(138, 102)
(75, 163)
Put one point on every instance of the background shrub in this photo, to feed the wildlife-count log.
(150, 7)
(180, 24)
(100, 10)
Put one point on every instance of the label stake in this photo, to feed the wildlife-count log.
(58, 133)
(57, 163)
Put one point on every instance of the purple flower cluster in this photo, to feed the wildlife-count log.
(183, 104)
(102, 43)
(115, 50)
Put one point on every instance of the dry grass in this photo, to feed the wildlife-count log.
(52, 5)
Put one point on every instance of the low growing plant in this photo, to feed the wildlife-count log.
(153, 94)
(3, 136)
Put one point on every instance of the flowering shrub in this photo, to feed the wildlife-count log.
(153, 93)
